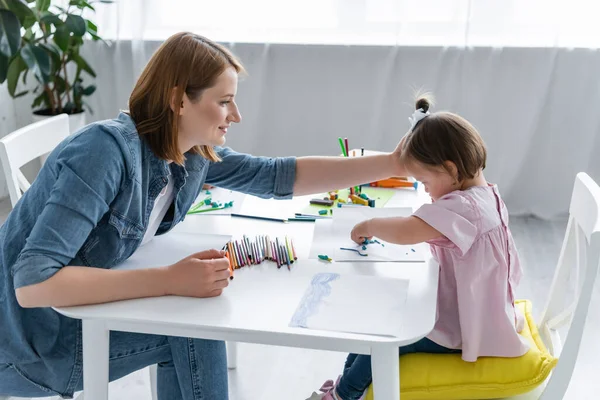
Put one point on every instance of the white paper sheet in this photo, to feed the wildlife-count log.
(171, 247)
(352, 303)
(331, 236)
(269, 208)
(222, 196)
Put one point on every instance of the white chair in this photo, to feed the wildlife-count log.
(579, 258)
(26, 144)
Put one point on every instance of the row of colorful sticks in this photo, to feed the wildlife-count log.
(248, 251)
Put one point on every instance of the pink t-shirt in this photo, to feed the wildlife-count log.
(479, 270)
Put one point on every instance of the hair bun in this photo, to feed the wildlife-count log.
(423, 102)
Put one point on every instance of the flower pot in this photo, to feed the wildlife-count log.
(76, 121)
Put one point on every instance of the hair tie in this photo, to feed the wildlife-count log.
(416, 117)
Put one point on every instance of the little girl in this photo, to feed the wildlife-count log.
(467, 229)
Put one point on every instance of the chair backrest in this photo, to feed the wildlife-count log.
(577, 264)
(26, 144)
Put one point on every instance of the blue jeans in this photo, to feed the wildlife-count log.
(192, 369)
(357, 371)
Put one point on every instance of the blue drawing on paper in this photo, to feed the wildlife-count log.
(309, 305)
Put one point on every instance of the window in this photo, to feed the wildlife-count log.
(516, 23)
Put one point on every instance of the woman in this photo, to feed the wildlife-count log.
(112, 186)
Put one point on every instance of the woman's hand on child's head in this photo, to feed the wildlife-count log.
(398, 167)
(360, 232)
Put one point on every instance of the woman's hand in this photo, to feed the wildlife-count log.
(397, 165)
(361, 231)
(203, 274)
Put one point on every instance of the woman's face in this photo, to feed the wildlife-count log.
(206, 120)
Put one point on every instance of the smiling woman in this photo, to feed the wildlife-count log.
(110, 188)
(196, 80)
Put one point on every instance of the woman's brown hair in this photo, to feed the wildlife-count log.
(444, 136)
(188, 63)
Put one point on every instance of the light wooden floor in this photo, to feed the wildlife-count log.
(274, 373)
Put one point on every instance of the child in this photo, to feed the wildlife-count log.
(467, 229)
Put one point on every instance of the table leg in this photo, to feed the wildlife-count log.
(386, 368)
(232, 355)
(95, 360)
(153, 370)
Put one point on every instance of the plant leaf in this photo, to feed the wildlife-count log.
(84, 4)
(91, 27)
(3, 67)
(77, 41)
(41, 98)
(95, 37)
(29, 21)
(42, 5)
(50, 18)
(10, 33)
(69, 108)
(22, 11)
(76, 24)
(89, 90)
(28, 35)
(54, 54)
(61, 37)
(81, 63)
(16, 66)
(59, 84)
(37, 60)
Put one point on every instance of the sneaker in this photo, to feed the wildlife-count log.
(328, 389)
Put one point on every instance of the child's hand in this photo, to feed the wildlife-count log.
(360, 232)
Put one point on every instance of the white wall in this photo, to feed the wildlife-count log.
(535, 108)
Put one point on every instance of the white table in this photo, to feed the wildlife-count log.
(258, 305)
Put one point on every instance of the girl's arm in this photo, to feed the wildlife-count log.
(398, 230)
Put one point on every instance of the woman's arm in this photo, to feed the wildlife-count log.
(399, 230)
(319, 174)
(283, 177)
(73, 286)
(202, 274)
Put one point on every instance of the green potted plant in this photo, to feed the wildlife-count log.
(41, 41)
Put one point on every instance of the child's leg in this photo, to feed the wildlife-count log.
(349, 360)
(357, 370)
(356, 378)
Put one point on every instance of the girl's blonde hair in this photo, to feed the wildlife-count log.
(444, 136)
(188, 63)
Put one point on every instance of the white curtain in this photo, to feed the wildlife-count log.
(512, 23)
(534, 106)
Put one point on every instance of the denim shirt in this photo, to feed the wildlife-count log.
(89, 206)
